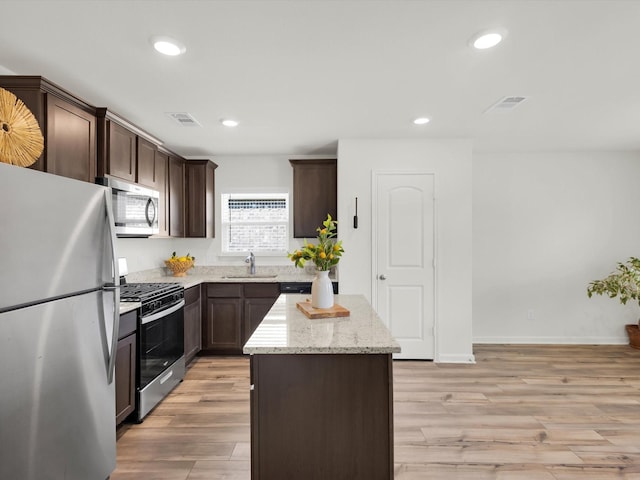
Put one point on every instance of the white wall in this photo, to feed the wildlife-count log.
(450, 160)
(254, 173)
(145, 253)
(544, 226)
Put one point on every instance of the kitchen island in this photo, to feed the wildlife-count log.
(321, 394)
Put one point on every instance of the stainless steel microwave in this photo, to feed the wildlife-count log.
(135, 208)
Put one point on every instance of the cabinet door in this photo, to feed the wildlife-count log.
(258, 300)
(148, 174)
(192, 323)
(255, 310)
(70, 140)
(125, 377)
(161, 167)
(200, 198)
(121, 160)
(314, 195)
(176, 197)
(222, 330)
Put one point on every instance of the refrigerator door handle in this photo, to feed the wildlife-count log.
(114, 287)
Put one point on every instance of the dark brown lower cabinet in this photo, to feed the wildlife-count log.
(329, 417)
(232, 313)
(222, 328)
(192, 323)
(125, 372)
(258, 300)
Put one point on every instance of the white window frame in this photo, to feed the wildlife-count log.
(237, 194)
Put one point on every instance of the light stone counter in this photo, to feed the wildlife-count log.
(286, 330)
(224, 274)
(126, 307)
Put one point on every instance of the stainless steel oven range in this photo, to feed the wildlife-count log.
(160, 341)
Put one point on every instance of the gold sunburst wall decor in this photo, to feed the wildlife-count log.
(21, 140)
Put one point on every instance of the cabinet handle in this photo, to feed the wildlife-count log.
(382, 277)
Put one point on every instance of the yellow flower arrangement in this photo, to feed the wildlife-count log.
(326, 253)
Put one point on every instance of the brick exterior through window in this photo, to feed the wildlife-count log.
(255, 222)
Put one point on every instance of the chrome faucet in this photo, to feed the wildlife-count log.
(251, 259)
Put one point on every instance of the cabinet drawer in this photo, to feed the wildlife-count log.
(261, 290)
(222, 290)
(128, 324)
(192, 295)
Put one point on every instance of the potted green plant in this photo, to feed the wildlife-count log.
(623, 283)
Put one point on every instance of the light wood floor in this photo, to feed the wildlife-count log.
(521, 412)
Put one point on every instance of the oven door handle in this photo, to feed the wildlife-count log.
(163, 313)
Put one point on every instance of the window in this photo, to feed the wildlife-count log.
(257, 223)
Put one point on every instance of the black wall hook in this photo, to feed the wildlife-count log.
(355, 217)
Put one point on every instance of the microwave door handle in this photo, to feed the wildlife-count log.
(114, 287)
(150, 206)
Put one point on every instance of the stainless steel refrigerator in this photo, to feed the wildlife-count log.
(59, 311)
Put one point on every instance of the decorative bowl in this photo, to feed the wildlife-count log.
(179, 267)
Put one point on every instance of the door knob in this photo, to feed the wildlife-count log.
(382, 277)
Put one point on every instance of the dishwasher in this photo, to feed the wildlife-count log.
(301, 287)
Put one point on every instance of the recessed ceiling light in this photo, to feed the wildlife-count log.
(229, 123)
(168, 46)
(487, 38)
(421, 121)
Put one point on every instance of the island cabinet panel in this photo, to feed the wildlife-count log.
(192, 323)
(329, 417)
(68, 125)
(315, 184)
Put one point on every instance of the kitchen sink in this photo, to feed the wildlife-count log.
(255, 275)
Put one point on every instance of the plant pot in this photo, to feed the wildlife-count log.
(322, 290)
(634, 335)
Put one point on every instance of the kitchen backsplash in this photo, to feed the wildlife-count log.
(150, 253)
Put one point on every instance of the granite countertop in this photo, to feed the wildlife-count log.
(218, 274)
(126, 307)
(286, 330)
(222, 274)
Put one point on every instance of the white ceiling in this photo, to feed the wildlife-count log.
(301, 74)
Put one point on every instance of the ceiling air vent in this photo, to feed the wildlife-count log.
(506, 104)
(184, 119)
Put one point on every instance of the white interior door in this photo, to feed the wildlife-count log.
(403, 263)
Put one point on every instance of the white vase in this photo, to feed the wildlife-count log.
(322, 290)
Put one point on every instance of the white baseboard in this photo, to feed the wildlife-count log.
(455, 358)
(553, 340)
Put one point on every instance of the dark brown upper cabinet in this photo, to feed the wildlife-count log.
(68, 125)
(117, 148)
(315, 194)
(175, 196)
(162, 182)
(200, 198)
(147, 173)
